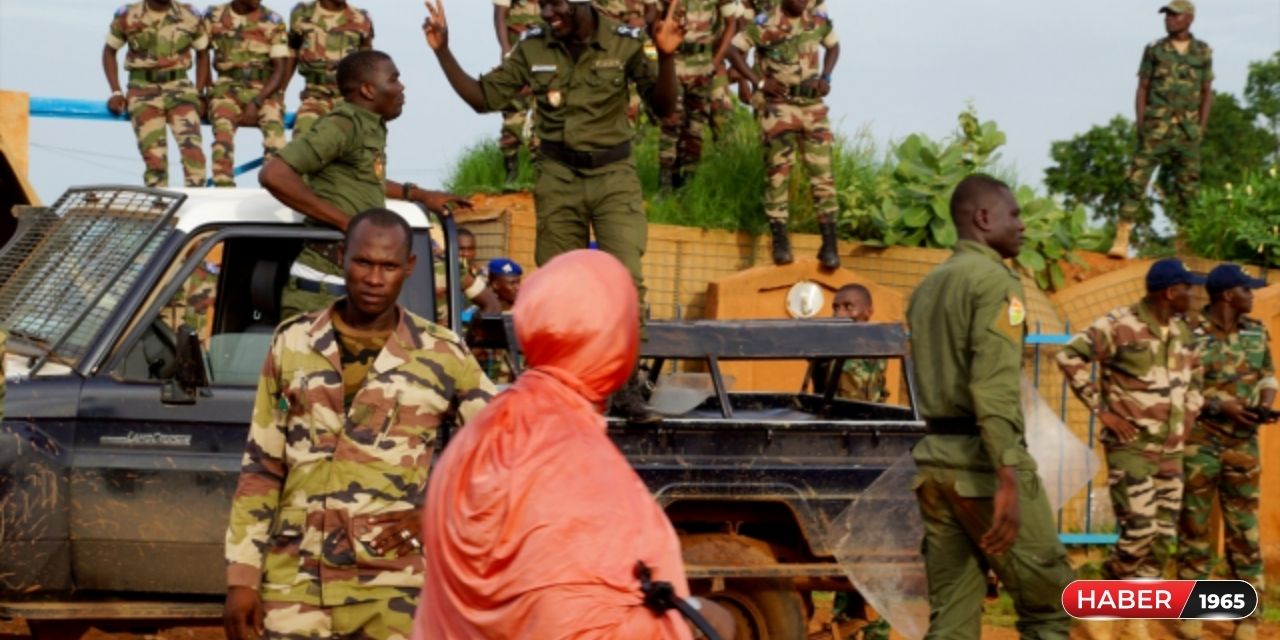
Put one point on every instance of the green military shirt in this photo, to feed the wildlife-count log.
(580, 104)
(967, 321)
(1175, 84)
(343, 158)
(1237, 367)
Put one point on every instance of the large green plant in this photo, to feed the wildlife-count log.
(1239, 221)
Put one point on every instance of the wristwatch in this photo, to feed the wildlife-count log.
(406, 189)
(826, 77)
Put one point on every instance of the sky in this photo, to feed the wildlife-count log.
(1043, 71)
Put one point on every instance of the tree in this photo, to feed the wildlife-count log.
(1262, 90)
(1234, 144)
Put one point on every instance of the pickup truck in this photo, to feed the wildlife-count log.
(138, 320)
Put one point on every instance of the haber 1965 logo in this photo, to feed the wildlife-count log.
(135, 439)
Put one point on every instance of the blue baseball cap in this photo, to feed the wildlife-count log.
(1168, 272)
(504, 267)
(1229, 276)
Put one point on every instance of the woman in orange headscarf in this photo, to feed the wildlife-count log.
(534, 520)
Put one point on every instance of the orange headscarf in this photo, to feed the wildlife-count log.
(534, 520)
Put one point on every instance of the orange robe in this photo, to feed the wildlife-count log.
(534, 520)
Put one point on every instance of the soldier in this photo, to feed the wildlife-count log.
(322, 33)
(344, 158)
(632, 13)
(324, 533)
(510, 19)
(1175, 92)
(504, 279)
(860, 379)
(161, 35)
(1221, 460)
(794, 119)
(251, 53)
(709, 26)
(980, 496)
(1146, 399)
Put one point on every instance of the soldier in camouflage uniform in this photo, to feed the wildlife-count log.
(322, 33)
(709, 25)
(860, 378)
(1146, 399)
(1222, 459)
(787, 39)
(1175, 91)
(323, 534)
(161, 35)
(251, 54)
(980, 497)
(510, 19)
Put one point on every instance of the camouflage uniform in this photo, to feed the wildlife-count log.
(1170, 135)
(520, 16)
(343, 158)
(680, 143)
(632, 14)
(788, 50)
(244, 48)
(968, 320)
(316, 471)
(320, 39)
(1223, 456)
(1150, 376)
(863, 380)
(160, 45)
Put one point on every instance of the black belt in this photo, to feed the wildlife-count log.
(584, 159)
(313, 286)
(157, 75)
(694, 48)
(952, 426)
(326, 250)
(804, 91)
(246, 74)
(322, 77)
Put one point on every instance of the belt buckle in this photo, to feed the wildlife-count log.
(583, 159)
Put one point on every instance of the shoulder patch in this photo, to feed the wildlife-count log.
(531, 32)
(630, 32)
(124, 8)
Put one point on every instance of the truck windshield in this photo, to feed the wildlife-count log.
(70, 263)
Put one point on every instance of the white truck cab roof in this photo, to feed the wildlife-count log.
(212, 206)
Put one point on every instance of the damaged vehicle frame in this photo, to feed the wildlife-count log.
(138, 321)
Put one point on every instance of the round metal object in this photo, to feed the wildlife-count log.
(805, 299)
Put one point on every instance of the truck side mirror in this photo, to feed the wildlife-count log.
(189, 377)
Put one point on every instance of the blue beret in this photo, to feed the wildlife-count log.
(504, 267)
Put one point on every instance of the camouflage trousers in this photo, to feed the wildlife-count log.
(1145, 482)
(789, 130)
(680, 140)
(153, 106)
(227, 103)
(721, 104)
(957, 508)
(515, 121)
(315, 103)
(376, 620)
(1227, 470)
(1176, 154)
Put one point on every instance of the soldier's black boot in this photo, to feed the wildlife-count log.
(513, 168)
(829, 252)
(630, 403)
(781, 242)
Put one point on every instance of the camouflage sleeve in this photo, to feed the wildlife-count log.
(200, 39)
(1147, 67)
(1195, 394)
(1208, 64)
(294, 35)
(115, 33)
(504, 82)
(262, 472)
(279, 40)
(368, 39)
(325, 142)
(747, 38)
(1091, 345)
(827, 33)
(995, 337)
(475, 390)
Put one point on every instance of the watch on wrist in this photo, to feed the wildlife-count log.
(407, 188)
(117, 92)
(826, 77)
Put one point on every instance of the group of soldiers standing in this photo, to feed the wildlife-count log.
(254, 52)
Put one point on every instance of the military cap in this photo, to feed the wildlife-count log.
(1168, 272)
(1230, 276)
(1179, 6)
(504, 267)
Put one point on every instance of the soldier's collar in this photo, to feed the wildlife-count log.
(363, 113)
(973, 246)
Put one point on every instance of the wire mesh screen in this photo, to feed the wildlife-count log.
(72, 262)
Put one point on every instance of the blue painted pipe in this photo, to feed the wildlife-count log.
(72, 109)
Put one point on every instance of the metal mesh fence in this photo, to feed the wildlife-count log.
(70, 263)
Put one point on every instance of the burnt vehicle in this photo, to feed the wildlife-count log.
(138, 322)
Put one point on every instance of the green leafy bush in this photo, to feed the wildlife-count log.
(1239, 221)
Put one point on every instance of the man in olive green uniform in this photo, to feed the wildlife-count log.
(251, 54)
(323, 539)
(1175, 91)
(980, 497)
(510, 20)
(578, 69)
(344, 160)
(161, 35)
(1221, 463)
(321, 33)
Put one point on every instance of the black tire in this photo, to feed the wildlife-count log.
(763, 608)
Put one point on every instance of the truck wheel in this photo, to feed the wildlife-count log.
(763, 608)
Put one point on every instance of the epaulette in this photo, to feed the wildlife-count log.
(124, 8)
(630, 32)
(532, 32)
